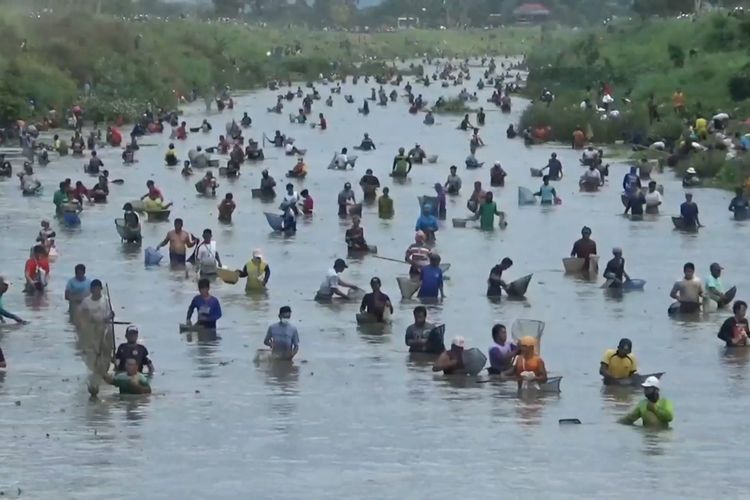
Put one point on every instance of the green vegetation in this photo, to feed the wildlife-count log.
(130, 63)
(706, 58)
(453, 106)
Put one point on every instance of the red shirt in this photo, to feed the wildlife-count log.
(307, 205)
(33, 267)
(155, 191)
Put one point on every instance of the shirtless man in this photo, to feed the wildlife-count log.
(179, 241)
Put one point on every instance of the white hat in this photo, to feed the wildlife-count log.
(690, 170)
(651, 382)
(131, 329)
(458, 341)
(257, 254)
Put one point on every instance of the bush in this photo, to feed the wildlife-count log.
(676, 55)
(453, 106)
(739, 87)
(566, 118)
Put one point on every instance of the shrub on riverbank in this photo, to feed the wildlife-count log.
(453, 106)
(565, 118)
(130, 64)
(640, 58)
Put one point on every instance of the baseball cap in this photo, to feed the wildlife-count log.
(340, 263)
(458, 341)
(625, 344)
(716, 265)
(131, 329)
(651, 382)
(257, 254)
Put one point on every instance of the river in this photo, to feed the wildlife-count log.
(355, 418)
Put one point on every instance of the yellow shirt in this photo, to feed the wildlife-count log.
(701, 125)
(619, 367)
(255, 275)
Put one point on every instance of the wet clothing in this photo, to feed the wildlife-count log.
(636, 200)
(555, 169)
(431, 279)
(734, 330)
(500, 356)
(209, 310)
(427, 223)
(257, 273)
(659, 415)
(689, 213)
(385, 207)
(547, 194)
(284, 338)
(123, 382)
(414, 332)
(493, 285)
(615, 269)
(135, 351)
(375, 305)
(583, 248)
(487, 215)
(617, 367)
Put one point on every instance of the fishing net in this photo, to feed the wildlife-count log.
(96, 345)
(474, 361)
(528, 328)
(525, 196)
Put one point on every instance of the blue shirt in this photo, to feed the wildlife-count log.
(427, 223)
(78, 288)
(209, 310)
(689, 213)
(431, 278)
(284, 336)
(547, 193)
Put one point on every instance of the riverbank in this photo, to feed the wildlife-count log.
(705, 58)
(130, 64)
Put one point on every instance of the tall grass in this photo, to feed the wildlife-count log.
(179, 56)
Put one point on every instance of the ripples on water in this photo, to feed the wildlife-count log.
(356, 417)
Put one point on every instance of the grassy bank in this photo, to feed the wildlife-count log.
(706, 58)
(132, 63)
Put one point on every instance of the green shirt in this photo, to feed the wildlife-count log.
(123, 382)
(659, 416)
(487, 215)
(714, 283)
(59, 198)
(385, 207)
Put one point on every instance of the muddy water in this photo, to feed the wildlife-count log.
(355, 418)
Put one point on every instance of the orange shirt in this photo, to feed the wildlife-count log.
(533, 364)
(678, 100)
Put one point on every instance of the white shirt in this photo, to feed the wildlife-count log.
(590, 154)
(607, 99)
(288, 148)
(205, 255)
(592, 175)
(330, 283)
(291, 198)
(653, 199)
(341, 160)
(95, 310)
